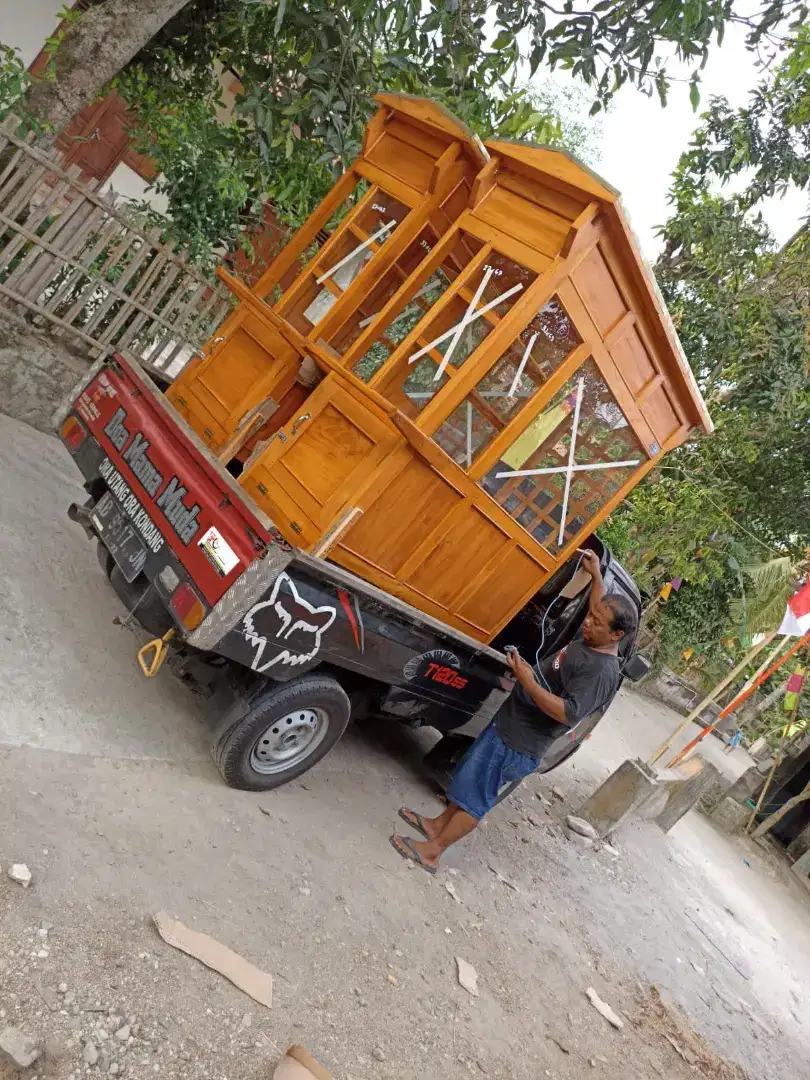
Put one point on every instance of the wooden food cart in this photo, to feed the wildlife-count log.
(461, 383)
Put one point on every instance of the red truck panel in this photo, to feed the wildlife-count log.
(181, 491)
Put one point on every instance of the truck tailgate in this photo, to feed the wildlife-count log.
(186, 510)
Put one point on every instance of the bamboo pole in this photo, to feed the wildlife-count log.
(777, 758)
(744, 695)
(732, 675)
(769, 659)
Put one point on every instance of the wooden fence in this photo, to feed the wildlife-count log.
(75, 261)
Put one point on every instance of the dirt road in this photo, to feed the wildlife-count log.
(108, 794)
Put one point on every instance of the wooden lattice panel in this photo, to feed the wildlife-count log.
(605, 450)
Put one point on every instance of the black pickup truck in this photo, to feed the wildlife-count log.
(285, 645)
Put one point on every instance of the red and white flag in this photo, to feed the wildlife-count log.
(796, 622)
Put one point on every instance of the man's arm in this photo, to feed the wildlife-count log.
(590, 564)
(550, 704)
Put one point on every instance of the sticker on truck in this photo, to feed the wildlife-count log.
(218, 551)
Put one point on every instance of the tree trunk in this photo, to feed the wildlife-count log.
(92, 51)
(777, 816)
(749, 715)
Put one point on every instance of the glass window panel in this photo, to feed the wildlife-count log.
(422, 385)
(333, 271)
(517, 376)
(487, 295)
(528, 362)
(464, 433)
(399, 327)
(603, 439)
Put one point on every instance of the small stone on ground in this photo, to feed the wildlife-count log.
(20, 873)
(19, 1049)
(467, 976)
(581, 826)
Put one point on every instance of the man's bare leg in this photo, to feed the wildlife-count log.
(456, 823)
(432, 825)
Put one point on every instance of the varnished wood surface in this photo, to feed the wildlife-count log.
(421, 525)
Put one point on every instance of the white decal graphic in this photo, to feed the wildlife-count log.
(285, 627)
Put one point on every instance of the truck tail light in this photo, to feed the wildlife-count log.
(187, 606)
(73, 433)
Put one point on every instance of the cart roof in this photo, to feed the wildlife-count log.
(437, 119)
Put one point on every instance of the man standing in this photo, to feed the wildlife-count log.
(548, 700)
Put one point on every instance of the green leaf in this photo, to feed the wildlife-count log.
(282, 7)
(694, 95)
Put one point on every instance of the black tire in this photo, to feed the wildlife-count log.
(236, 750)
(150, 613)
(105, 559)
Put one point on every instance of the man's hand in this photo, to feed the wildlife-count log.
(590, 564)
(520, 668)
(551, 705)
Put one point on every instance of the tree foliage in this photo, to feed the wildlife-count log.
(308, 72)
(740, 498)
(306, 78)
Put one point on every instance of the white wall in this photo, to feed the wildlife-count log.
(129, 185)
(25, 24)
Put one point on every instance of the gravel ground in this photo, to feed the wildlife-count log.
(108, 795)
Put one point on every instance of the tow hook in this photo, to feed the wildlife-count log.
(161, 647)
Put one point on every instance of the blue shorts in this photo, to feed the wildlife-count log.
(486, 768)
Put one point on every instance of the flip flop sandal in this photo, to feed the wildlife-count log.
(415, 822)
(411, 854)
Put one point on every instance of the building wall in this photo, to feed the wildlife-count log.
(129, 185)
(25, 25)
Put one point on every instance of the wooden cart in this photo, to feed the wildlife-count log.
(462, 383)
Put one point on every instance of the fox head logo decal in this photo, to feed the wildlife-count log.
(285, 629)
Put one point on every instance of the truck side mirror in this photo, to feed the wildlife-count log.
(637, 667)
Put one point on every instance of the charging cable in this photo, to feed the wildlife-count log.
(546, 614)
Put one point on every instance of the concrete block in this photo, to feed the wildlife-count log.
(731, 816)
(801, 868)
(747, 785)
(621, 797)
(683, 795)
(799, 844)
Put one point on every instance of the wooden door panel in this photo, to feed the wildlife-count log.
(254, 362)
(199, 418)
(600, 294)
(500, 590)
(282, 509)
(633, 361)
(468, 545)
(326, 457)
(407, 510)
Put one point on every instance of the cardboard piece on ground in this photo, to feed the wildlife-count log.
(299, 1064)
(253, 982)
(604, 1009)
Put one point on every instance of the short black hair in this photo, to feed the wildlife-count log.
(624, 616)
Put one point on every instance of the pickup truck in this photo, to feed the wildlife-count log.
(286, 646)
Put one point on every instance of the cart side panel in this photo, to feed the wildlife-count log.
(304, 620)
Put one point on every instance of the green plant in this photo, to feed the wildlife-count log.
(14, 81)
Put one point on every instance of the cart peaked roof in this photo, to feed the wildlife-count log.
(563, 171)
(437, 119)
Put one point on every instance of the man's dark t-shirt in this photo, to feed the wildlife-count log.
(585, 679)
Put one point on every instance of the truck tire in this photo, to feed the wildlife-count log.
(150, 612)
(106, 561)
(281, 733)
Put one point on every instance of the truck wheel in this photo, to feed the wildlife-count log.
(283, 732)
(105, 559)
